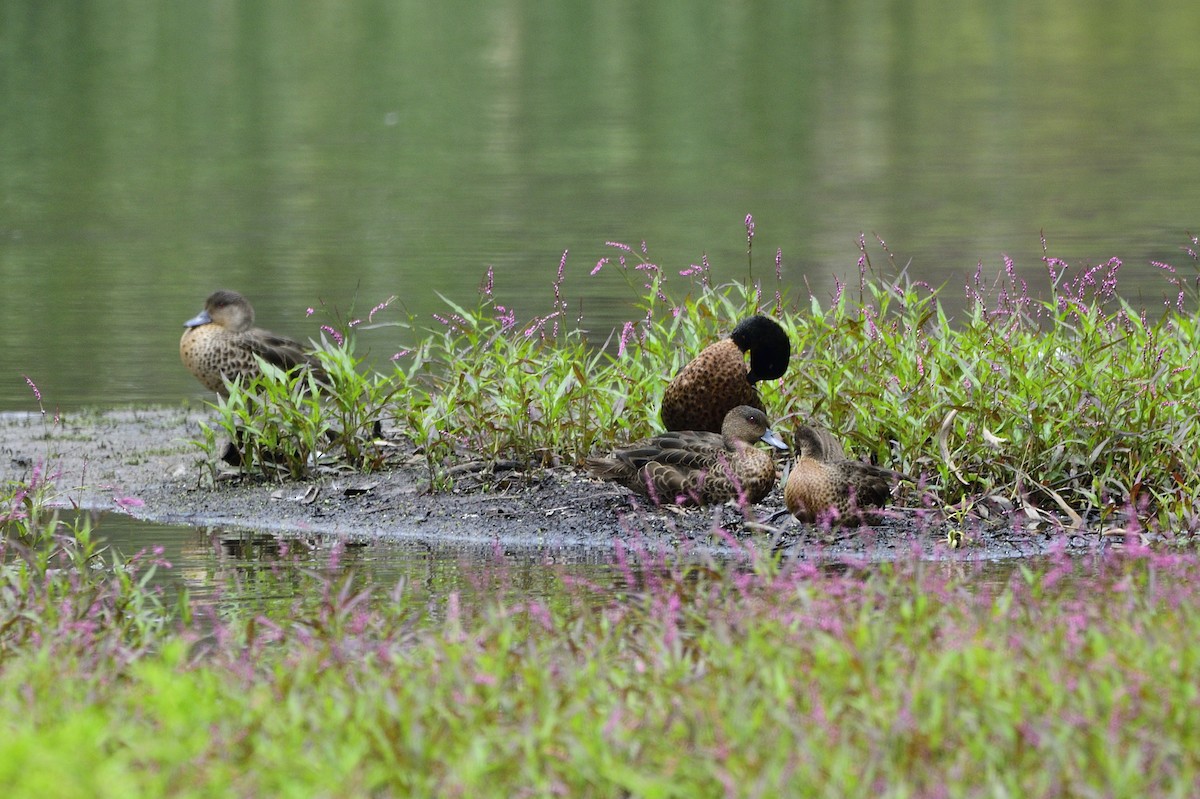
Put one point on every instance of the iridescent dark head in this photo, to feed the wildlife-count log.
(768, 345)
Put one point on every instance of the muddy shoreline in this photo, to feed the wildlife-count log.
(140, 462)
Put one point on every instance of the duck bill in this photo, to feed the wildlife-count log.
(774, 440)
(201, 318)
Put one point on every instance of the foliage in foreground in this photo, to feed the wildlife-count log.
(758, 679)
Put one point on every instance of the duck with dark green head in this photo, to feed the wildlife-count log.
(221, 342)
(719, 378)
(823, 484)
(697, 466)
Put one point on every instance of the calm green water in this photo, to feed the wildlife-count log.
(230, 568)
(223, 568)
(343, 152)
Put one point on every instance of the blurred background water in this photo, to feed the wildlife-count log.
(307, 152)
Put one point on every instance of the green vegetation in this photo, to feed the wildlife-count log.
(283, 424)
(684, 677)
(1064, 400)
(748, 679)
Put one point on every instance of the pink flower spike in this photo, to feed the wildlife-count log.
(627, 333)
(386, 303)
(336, 336)
(36, 393)
(309, 311)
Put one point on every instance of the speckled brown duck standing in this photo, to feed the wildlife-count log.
(719, 379)
(221, 341)
(698, 466)
(820, 486)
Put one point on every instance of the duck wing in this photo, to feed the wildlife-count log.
(283, 352)
(690, 449)
(868, 485)
(665, 467)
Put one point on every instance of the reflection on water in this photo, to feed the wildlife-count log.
(217, 567)
(222, 568)
(150, 153)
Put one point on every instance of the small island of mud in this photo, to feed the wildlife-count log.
(142, 462)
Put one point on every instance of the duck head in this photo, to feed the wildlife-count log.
(748, 425)
(225, 308)
(768, 345)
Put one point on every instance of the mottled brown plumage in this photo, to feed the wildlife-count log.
(221, 341)
(719, 379)
(697, 466)
(820, 486)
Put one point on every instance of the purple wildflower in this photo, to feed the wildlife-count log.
(627, 333)
(36, 393)
(391, 299)
(507, 316)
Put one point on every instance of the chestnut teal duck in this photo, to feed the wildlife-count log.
(719, 379)
(698, 466)
(826, 442)
(822, 483)
(221, 341)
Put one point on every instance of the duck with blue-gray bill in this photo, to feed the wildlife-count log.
(698, 467)
(220, 343)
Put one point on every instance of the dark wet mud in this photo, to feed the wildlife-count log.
(141, 462)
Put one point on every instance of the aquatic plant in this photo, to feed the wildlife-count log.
(61, 588)
(286, 424)
(676, 677)
(1051, 395)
